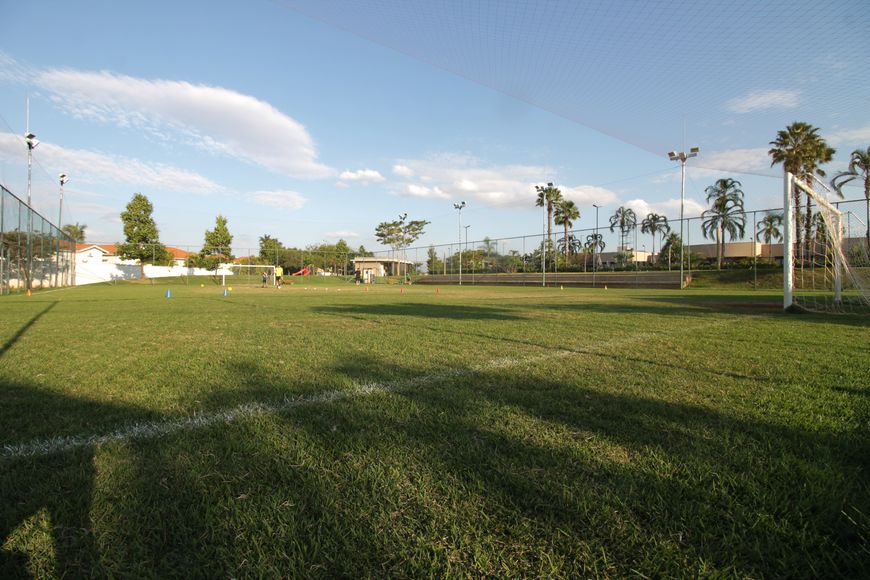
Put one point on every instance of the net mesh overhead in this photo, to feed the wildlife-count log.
(636, 71)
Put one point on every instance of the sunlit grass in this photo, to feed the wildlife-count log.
(482, 431)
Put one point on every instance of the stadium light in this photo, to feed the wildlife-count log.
(458, 207)
(62, 178)
(682, 156)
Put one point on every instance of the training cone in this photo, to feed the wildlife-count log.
(29, 292)
(168, 293)
(561, 287)
(225, 291)
(437, 290)
(605, 286)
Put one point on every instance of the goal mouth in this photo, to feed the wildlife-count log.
(250, 275)
(824, 269)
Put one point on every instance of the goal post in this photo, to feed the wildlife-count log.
(830, 272)
(250, 274)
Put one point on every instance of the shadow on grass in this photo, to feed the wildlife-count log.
(15, 337)
(422, 310)
(474, 473)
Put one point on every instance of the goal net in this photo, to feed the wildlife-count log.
(249, 275)
(824, 269)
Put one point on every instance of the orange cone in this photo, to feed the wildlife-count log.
(29, 292)
(437, 290)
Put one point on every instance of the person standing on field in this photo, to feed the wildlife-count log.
(279, 272)
(265, 278)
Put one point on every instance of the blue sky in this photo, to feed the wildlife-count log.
(311, 121)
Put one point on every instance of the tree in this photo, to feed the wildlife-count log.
(566, 213)
(270, 249)
(653, 224)
(625, 219)
(569, 245)
(75, 231)
(725, 214)
(548, 196)
(768, 229)
(434, 265)
(801, 150)
(398, 234)
(672, 246)
(859, 167)
(140, 231)
(218, 241)
(595, 243)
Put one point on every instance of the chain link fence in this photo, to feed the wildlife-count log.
(34, 253)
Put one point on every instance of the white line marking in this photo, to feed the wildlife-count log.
(155, 429)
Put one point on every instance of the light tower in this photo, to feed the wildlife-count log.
(682, 156)
(458, 207)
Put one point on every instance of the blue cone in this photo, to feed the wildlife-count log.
(168, 293)
(225, 291)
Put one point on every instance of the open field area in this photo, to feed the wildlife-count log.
(326, 430)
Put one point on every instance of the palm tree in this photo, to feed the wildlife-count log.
(859, 166)
(595, 243)
(75, 231)
(566, 212)
(625, 219)
(725, 214)
(768, 229)
(654, 224)
(801, 150)
(568, 245)
(548, 196)
(671, 242)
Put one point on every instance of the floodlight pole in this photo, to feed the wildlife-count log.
(466, 249)
(595, 245)
(32, 142)
(458, 207)
(682, 156)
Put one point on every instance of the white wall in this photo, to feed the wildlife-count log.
(93, 271)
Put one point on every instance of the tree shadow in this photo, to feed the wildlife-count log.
(422, 310)
(15, 337)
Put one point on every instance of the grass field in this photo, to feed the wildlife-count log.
(324, 430)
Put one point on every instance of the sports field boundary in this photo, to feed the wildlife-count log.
(156, 429)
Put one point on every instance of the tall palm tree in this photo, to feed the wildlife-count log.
(566, 212)
(725, 214)
(653, 224)
(859, 167)
(75, 231)
(801, 150)
(625, 219)
(768, 229)
(548, 196)
(569, 245)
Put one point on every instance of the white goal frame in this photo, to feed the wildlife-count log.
(840, 265)
(254, 267)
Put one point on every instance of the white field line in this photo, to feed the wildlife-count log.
(155, 429)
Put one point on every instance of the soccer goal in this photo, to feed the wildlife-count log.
(249, 275)
(824, 270)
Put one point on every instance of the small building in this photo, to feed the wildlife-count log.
(369, 268)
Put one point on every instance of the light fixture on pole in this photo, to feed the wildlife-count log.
(682, 156)
(62, 178)
(458, 207)
(32, 143)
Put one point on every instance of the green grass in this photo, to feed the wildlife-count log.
(403, 432)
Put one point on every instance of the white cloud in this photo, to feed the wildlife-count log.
(342, 234)
(752, 160)
(860, 135)
(282, 199)
(414, 190)
(588, 194)
(403, 171)
(93, 166)
(362, 176)
(762, 100)
(215, 119)
(466, 177)
(669, 208)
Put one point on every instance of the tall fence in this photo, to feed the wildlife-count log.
(34, 253)
(755, 245)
